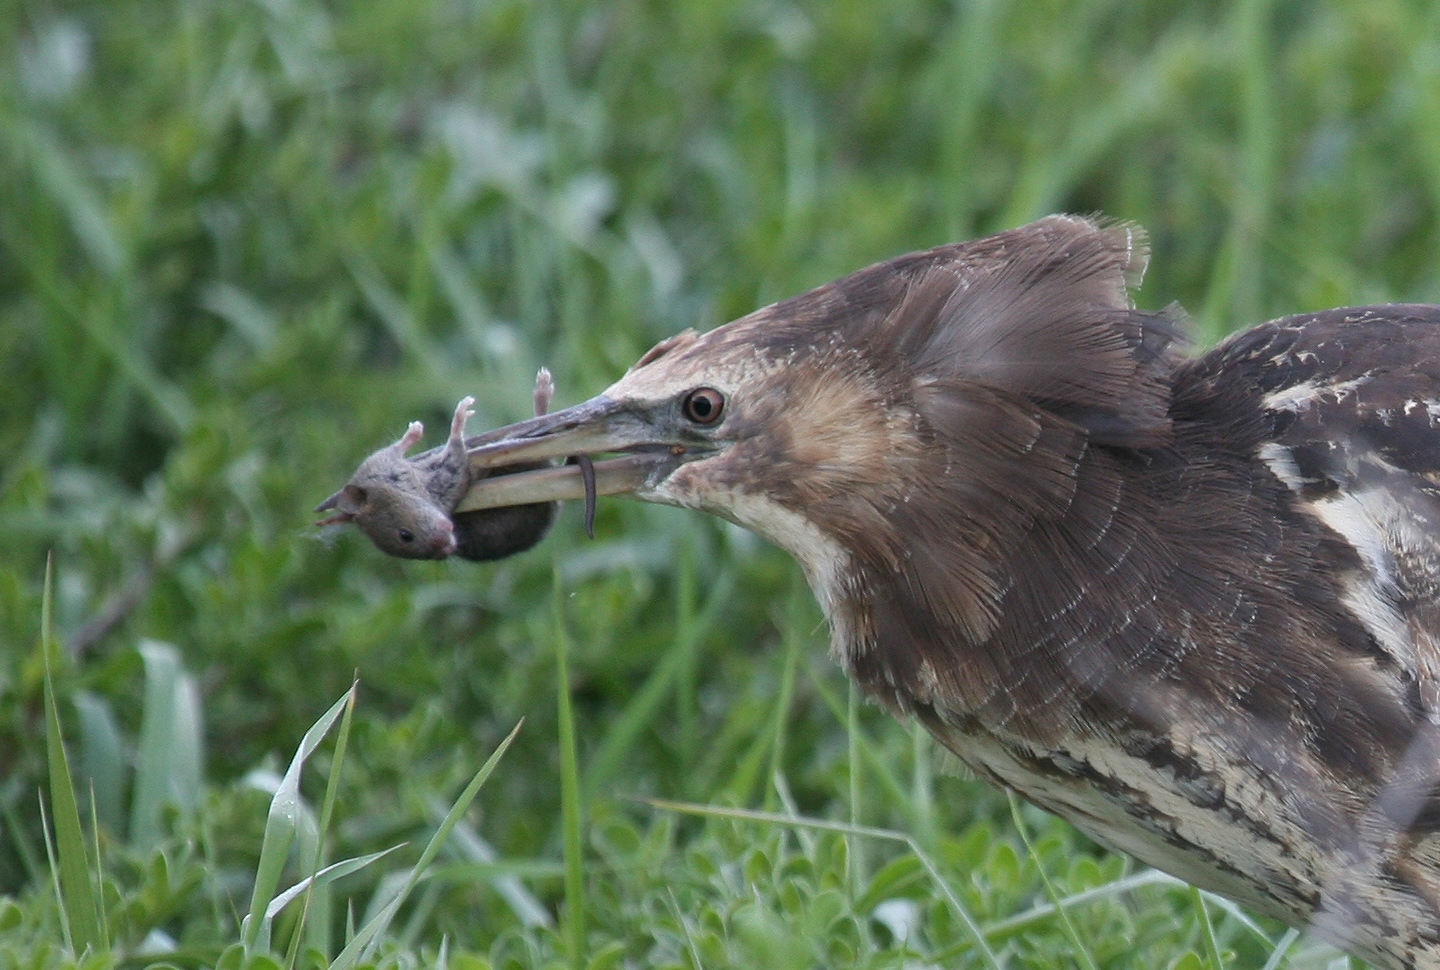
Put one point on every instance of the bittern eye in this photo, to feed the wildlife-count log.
(406, 535)
(704, 405)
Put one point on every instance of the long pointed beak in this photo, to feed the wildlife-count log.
(600, 426)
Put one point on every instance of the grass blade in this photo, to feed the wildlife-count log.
(169, 764)
(323, 878)
(286, 808)
(104, 765)
(79, 903)
(1207, 929)
(318, 899)
(1282, 948)
(1082, 952)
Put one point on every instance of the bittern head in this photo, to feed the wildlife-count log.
(895, 425)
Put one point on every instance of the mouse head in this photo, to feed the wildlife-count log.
(388, 500)
(400, 521)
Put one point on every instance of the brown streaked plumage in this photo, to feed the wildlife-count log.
(1190, 604)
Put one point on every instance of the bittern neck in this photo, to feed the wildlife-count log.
(895, 570)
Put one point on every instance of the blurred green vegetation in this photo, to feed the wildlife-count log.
(243, 243)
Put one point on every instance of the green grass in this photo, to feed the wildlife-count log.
(242, 243)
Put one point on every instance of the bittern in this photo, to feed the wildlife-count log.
(1188, 603)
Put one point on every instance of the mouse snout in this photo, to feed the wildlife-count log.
(443, 541)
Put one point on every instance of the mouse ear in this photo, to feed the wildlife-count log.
(352, 499)
(329, 503)
(349, 500)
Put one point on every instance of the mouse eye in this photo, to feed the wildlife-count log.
(704, 405)
(406, 535)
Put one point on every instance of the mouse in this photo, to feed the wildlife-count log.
(406, 506)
